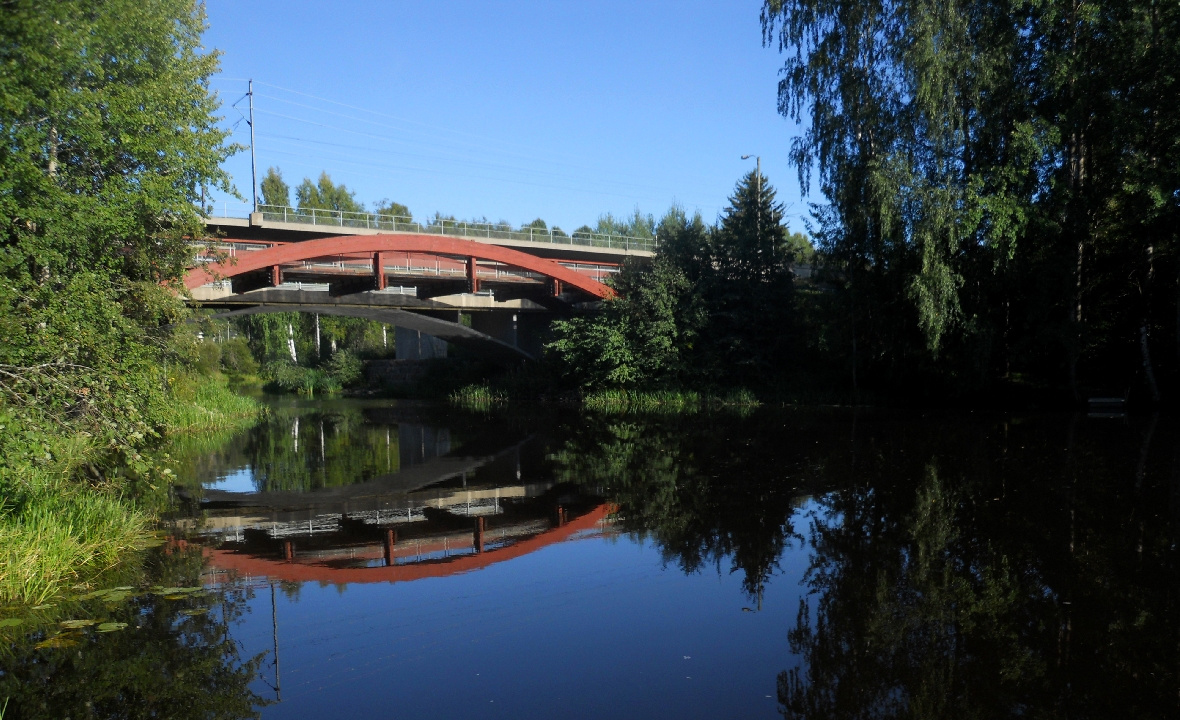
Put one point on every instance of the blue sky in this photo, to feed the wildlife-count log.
(508, 110)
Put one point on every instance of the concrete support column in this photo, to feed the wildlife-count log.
(276, 275)
(379, 270)
(532, 332)
(414, 345)
(500, 324)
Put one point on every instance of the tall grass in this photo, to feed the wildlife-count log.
(54, 530)
(204, 403)
(667, 401)
(61, 521)
(480, 398)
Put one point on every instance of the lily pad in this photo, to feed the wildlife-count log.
(75, 624)
(179, 590)
(107, 627)
(57, 641)
(193, 612)
(11, 622)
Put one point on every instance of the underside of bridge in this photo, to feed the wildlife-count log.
(483, 344)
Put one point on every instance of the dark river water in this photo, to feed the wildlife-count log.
(393, 560)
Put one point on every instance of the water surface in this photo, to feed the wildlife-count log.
(402, 560)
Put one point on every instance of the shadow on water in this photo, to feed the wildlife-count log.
(940, 566)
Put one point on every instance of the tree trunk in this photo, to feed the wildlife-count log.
(1147, 366)
(291, 343)
(51, 166)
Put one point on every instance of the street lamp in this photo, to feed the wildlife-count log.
(758, 189)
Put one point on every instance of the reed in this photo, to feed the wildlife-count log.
(481, 398)
(667, 401)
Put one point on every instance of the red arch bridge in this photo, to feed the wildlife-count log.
(508, 284)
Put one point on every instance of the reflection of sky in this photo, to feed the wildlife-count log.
(239, 480)
(594, 628)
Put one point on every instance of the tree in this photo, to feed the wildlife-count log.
(745, 282)
(326, 195)
(995, 180)
(395, 209)
(275, 193)
(640, 337)
(109, 139)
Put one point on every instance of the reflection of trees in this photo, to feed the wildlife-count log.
(309, 450)
(701, 495)
(1027, 571)
(909, 619)
(175, 659)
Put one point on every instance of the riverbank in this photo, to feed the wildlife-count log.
(73, 506)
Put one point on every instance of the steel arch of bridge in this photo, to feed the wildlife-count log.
(356, 244)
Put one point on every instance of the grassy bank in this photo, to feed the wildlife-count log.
(72, 507)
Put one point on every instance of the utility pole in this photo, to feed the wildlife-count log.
(253, 162)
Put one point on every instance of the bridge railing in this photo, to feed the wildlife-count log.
(489, 231)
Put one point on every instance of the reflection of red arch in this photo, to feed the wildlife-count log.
(432, 244)
(250, 565)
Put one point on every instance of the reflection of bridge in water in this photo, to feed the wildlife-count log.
(462, 501)
(344, 558)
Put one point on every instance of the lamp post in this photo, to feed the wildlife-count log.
(758, 189)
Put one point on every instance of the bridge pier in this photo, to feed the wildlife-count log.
(498, 324)
(477, 535)
(415, 345)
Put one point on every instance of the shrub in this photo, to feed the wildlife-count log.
(345, 368)
(236, 357)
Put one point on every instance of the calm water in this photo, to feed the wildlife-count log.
(362, 559)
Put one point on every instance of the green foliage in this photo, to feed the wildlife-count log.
(236, 358)
(109, 136)
(639, 337)
(284, 376)
(1000, 185)
(481, 398)
(326, 195)
(396, 209)
(345, 368)
(123, 642)
(731, 284)
(275, 192)
(109, 142)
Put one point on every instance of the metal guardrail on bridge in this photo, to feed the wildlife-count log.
(395, 223)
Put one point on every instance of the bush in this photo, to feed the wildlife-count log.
(291, 378)
(236, 357)
(208, 357)
(345, 368)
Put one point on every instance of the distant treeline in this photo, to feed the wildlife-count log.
(325, 194)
